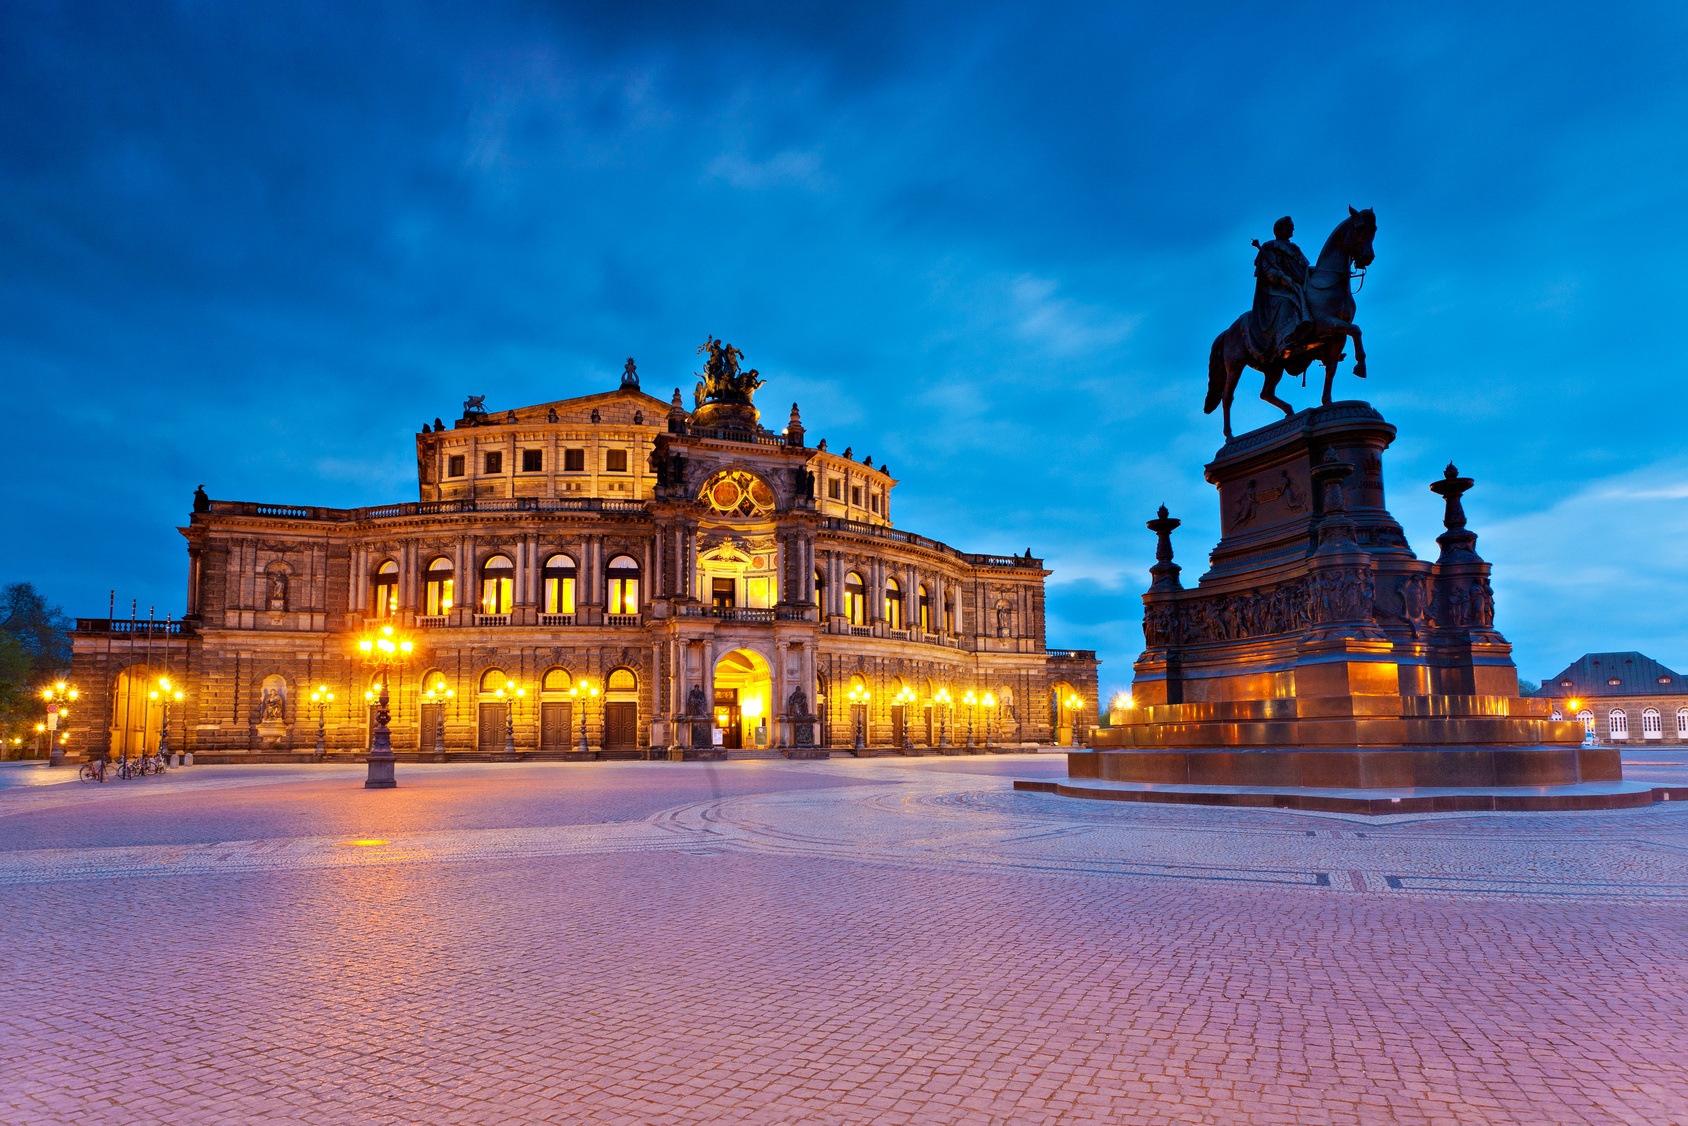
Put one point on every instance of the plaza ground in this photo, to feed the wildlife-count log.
(838, 942)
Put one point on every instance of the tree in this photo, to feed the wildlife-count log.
(43, 630)
(20, 707)
(1527, 687)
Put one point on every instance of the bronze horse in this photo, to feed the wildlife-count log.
(1330, 307)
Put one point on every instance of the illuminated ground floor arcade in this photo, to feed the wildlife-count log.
(699, 686)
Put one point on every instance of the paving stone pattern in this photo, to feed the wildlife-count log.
(840, 942)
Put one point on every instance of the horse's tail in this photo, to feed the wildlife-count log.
(1215, 374)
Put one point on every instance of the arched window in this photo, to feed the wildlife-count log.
(1587, 718)
(437, 589)
(925, 600)
(1682, 723)
(893, 604)
(855, 599)
(384, 593)
(1557, 715)
(558, 579)
(556, 680)
(621, 680)
(498, 577)
(1652, 724)
(1617, 724)
(624, 585)
(493, 679)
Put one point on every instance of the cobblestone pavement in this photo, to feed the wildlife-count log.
(852, 941)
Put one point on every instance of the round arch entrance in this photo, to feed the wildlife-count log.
(744, 694)
(137, 716)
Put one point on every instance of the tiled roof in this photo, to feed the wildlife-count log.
(1636, 674)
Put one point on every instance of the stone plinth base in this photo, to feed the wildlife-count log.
(1355, 767)
(1521, 799)
(1341, 721)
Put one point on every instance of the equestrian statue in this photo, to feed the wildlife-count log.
(1302, 314)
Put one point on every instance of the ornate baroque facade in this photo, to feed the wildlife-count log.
(717, 584)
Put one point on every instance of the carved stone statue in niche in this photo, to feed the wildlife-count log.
(1004, 618)
(695, 703)
(276, 597)
(273, 707)
(797, 704)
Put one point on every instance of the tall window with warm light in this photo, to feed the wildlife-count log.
(497, 585)
(437, 588)
(558, 578)
(623, 575)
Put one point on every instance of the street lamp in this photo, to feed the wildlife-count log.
(1073, 703)
(57, 697)
(583, 691)
(972, 710)
(322, 697)
(438, 693)
(905, 698)
(942, 699)
(859, 695)
(989, 704)
(510, 713)
(164, 694)
(381, 649)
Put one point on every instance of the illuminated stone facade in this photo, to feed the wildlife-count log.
(719, 587)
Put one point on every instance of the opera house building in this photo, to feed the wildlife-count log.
(610, 576)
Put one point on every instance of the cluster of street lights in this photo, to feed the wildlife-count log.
(58, 697)
(165, 694)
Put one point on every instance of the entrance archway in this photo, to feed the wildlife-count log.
(744, 698)
(1063, 713)
(136, 717)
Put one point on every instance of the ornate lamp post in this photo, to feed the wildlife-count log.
(942, 700)
(972, 710)
(438, 693)
(164, 694)
(1073, 703)
(322, 697)
(989, 704)
(583, 691)
(859, 695)
(905, 698)
(514, 693)
(57, 697)
(381, 649)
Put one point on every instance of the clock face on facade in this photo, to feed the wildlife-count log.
(737, 493)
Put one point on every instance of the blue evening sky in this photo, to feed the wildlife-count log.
(257, 245)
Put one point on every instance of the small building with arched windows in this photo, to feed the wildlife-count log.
(603, 576)
(1624, 699)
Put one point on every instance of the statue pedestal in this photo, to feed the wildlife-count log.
(1318, 650)
(272, 734)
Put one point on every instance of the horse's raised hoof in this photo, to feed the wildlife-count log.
(1359, 369)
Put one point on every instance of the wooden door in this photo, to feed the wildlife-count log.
(556, 725)
(621, 726)
(898, 722)
(930, 741)
(492, 728)
(431, 714)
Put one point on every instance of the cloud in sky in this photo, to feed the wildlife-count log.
(257, 245)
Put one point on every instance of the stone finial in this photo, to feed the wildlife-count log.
(794, 428)
(676, 403)
(629, 376)
(1165, 572)
(868, 461)
(795, 417)
(1458, 544)
(847, 450)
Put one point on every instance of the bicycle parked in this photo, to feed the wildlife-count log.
(93, 771)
